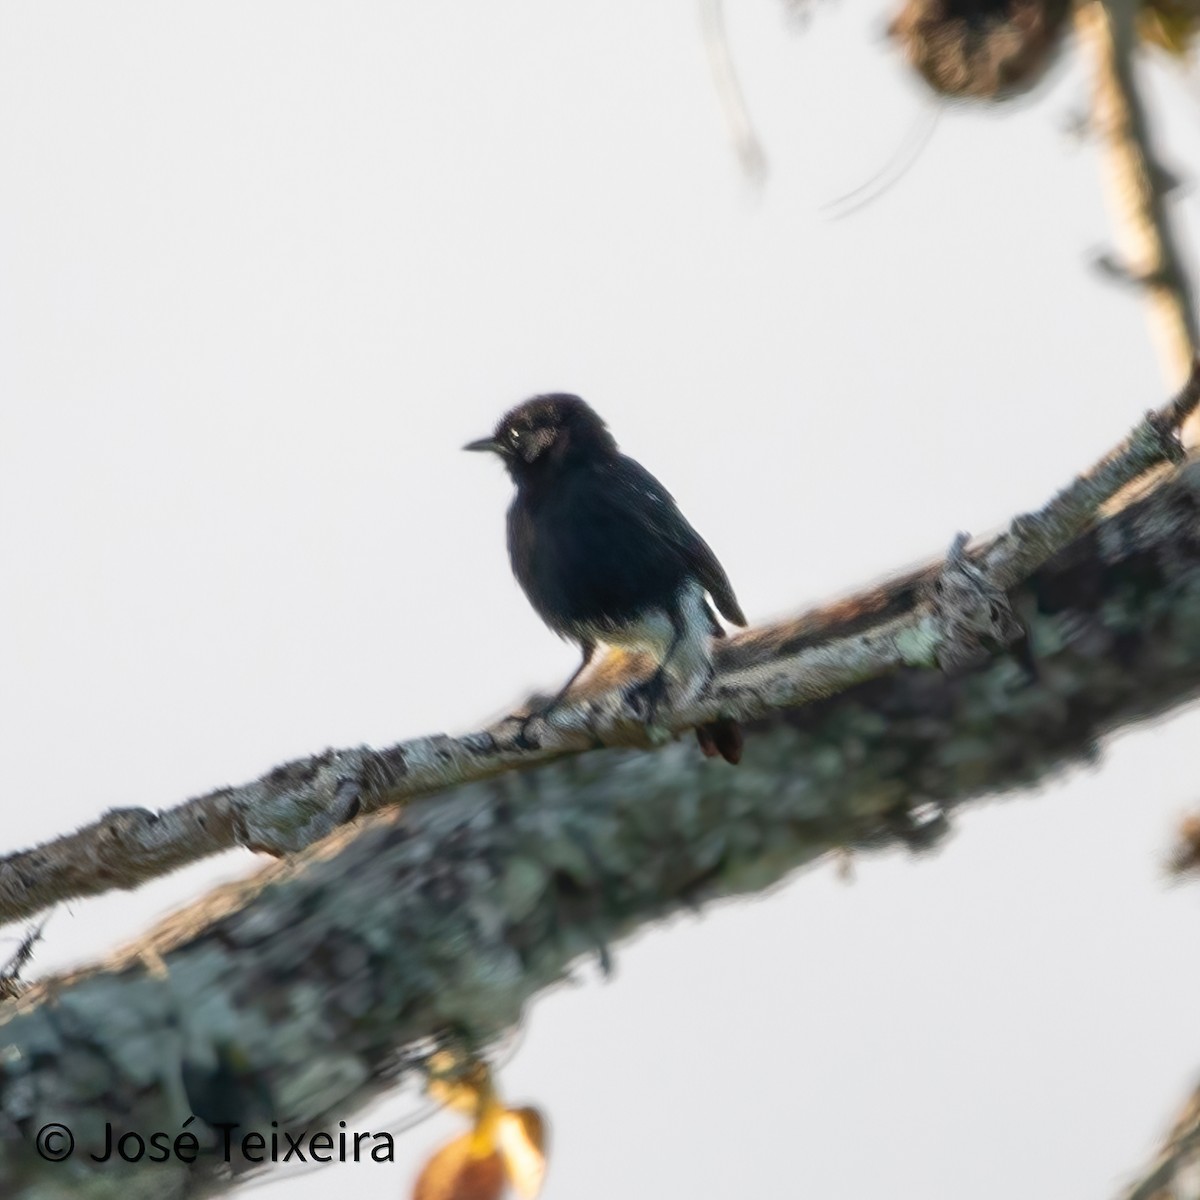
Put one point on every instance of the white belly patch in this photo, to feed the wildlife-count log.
(690, 662)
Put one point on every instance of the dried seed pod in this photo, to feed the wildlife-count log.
(461, 1170)
(981, 49)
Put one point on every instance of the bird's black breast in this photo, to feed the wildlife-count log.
(599, 544)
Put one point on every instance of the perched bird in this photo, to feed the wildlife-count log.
(605, 556)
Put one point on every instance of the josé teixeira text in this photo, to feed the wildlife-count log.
(55, 1143)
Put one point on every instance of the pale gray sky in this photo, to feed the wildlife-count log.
(265, 267)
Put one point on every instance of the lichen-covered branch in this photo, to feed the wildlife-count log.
(297, 994)
(1137, 184)
(949, 614)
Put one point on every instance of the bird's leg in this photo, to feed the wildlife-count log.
(650, 692)
(588, 648)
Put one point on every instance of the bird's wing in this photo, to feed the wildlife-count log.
(672, 527)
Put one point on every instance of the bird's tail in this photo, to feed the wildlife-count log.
(723, 737)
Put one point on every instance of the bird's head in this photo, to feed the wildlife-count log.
(546, 432)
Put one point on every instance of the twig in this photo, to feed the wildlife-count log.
(11, 985)
(902, 160)
(749, 149)
(1175, 1173)
(1137, 192)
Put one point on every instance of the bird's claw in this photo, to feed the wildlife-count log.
(523, 741)
(645, 697)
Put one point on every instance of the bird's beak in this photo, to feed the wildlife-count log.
(484, 444)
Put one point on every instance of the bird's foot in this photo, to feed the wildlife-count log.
(523, 741)
(646, 697)
(525, 720)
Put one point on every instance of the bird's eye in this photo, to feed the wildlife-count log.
(514, 436)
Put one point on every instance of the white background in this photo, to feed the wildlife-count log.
(264, 267)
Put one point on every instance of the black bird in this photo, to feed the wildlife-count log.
(605, 556)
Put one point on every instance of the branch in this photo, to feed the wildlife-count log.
(1137, 187)
(302, 992)
(749, 150)
(1175, 1173)
(951, 614)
